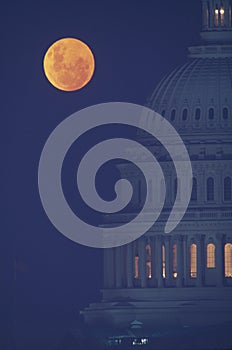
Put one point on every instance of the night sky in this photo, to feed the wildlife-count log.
(48, 278)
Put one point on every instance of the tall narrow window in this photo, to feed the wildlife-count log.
(198, 114)
(194, 190)
(163, 261)
(227, 189)
(222, 16)
(210, 255)
(136, 267)
(228, 260)
(173, 115)
(210, 189)
(225, 113)
(174, 260)
(193, 260)
(148, 261)
(216, 17)
(211, 114)
(185, 114)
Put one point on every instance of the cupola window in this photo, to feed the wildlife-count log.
(197, 114)
(210, 189)
(210, 256)
(185, 114)
(225, 113)
(173, 115)
(193, 260)
(228, 260)
(194, 190)
(227, 189)
(211, 114)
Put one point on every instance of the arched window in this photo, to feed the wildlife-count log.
(163, 113)
(210, 255)
(163, 261)
(136, 267)
(194, 190)
(198, 114)
(227, 189)
(210, 189)
(193, 260)
(225, 113)
(211, 113)
(228, 260)
(148, 261)
(185, 114)
(173, 115)
(174, 260)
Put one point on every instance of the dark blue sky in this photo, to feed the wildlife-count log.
(134, 43)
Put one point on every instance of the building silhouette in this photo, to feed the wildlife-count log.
(181, 283)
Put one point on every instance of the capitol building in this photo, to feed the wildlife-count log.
(162, 285)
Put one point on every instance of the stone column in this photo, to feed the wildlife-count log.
(220, 259)
(108, 268)
(142, 262)
(200, 263)
(168, 262)
(180, 261)
(118, 267)
(130, 261)
(158, 260)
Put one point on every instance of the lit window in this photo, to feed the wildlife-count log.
(216, 17)
(193, 260)
(148, 261)
(227, 189)
(163, 261)
(228, 260)
(210, 255)
(136, 267)
(194, 190)
(174, 260)
(210, 189)
(222, 16)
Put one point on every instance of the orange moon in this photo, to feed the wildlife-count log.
(69, 64)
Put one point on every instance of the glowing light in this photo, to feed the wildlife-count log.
(222, 11)
(216, 12)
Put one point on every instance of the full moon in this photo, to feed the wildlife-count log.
(69, 64)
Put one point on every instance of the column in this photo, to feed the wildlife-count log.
(168, 262)
(142, 263)
(118, 267)
(220, 259)
(158, 260)
(108, 268)
(153, 261)
(200, 264)
(180, 261)
(130, 261)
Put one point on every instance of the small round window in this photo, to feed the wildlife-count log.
(198, 114)
(185, 114)
(211, 114)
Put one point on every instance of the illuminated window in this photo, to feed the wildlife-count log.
(193, 260)
(136, 267)
(194, 190)
(210, 255)
(228, 260)
(216, 17)
(163, 261)
(227, 189)
(174, 260)
(210, 189)
(148, 261)
(222, 16)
